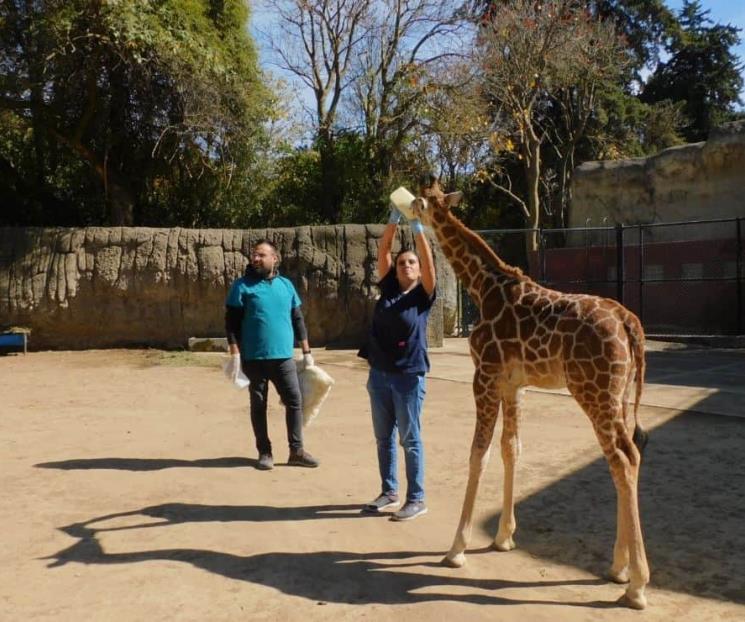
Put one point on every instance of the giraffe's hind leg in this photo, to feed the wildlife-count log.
(487, 409)
(619, 570)
(510, 445)
(629, 555)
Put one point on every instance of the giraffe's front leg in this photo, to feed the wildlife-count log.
(510, 454)
(486, 412)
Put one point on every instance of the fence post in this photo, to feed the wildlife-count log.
(738, 264)
(641, 274)
(620, 273)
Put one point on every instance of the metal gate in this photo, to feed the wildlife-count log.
(681, 278)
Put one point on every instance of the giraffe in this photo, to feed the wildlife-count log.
(529, 335)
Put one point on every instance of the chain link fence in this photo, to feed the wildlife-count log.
(682, 278)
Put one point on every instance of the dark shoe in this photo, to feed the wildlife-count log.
(410, 511)
(302, 458)
(385, 501)
(265, 463)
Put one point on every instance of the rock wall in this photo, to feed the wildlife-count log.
(697, 181)
(111, 287)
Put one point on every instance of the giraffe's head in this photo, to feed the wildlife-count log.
(432, 201)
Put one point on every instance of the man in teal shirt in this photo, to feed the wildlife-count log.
(262, 321)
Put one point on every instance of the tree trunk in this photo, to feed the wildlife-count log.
(565, 187)
(532, 177)
(119, 202)
(331, 198)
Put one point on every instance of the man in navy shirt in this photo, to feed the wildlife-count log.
(262, 321)
(396, 350)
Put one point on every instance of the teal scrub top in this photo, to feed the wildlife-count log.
(266, 328)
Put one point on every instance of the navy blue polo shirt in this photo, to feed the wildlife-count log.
(397, 341)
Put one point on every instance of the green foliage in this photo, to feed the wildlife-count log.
(702, 72)
(155, 112)
(644, 24)
(130, 112)
(296, 196)
(625, 127)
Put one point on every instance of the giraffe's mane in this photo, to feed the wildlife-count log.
(485, 251)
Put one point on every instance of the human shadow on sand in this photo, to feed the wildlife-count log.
(147, 464)
(180, 513)
(322, 576)
(691, 499)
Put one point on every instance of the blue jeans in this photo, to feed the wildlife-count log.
(396, 401)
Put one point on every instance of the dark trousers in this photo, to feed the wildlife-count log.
(282, 373)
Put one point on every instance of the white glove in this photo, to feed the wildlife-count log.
(308, 359)
(233, 367)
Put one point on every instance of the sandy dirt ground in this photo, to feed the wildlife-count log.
(129, 493)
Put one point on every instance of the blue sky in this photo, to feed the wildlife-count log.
(720, 11)
(723, 12)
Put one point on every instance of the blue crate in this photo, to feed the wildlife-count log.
(9, 342)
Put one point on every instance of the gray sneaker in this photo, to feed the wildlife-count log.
(382, 502)
(302, 458)
(265, 463)
(410, 511)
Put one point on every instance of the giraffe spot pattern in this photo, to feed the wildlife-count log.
(530, 335)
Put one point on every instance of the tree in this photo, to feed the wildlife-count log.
(644, 25)
(537, 59)
(408, 54)
(702, 72)
(317, 41)
(455, 126)
(130, 112)
(368, 64)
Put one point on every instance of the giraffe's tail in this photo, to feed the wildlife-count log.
(635, 333)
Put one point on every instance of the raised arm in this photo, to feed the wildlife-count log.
(429, 278)
(385, 260)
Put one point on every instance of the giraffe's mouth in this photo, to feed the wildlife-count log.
(419, 206)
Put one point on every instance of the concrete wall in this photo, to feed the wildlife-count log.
(697, 181)
(105, 287)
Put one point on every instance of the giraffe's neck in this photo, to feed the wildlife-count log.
(470, 256)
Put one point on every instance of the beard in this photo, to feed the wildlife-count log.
(262, 271)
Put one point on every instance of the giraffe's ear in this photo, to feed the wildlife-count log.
(452, 199)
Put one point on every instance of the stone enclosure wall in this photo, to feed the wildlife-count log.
(112, 287)
(696, 181)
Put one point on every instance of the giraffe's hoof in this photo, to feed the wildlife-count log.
(454, 561)
(617, 576)
(503, 544)
(633, 599)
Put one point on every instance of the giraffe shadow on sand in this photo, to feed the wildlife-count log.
(390, 578)
(692, 502)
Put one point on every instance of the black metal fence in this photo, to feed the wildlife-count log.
(681, 278)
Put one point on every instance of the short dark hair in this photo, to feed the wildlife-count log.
(268, 242)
